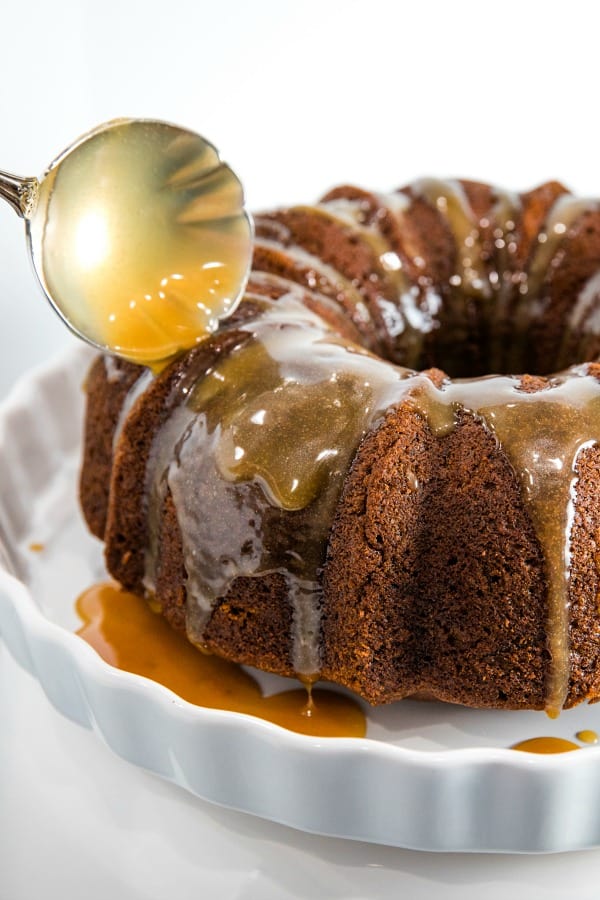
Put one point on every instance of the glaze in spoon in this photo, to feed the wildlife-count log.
(138, 236)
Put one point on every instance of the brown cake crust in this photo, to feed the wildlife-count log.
(320, 303)
(418, 597)
(584, 683)
(584, 580)
(105, 400)
(577, 261)
(327, 238)
(536, 206)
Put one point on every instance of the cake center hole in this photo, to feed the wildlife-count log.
(468, 345)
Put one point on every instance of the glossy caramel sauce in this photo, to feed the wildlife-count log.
(140, 238)
(587, 736)
(268, 432)
(126, 633)
(545, 745)
(450, 200)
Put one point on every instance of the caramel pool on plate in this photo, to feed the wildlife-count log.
(545, 745)
(130, 636)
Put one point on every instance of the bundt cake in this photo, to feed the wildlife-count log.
(337, 483)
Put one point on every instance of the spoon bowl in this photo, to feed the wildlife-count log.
(138, 236)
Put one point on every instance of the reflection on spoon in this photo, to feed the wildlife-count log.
(138, 236)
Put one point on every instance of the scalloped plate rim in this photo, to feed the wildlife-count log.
(480, 764)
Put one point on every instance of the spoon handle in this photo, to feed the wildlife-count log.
(21, 193)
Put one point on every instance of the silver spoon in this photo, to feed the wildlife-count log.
(138, 236)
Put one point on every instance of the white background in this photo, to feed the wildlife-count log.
(298, 97)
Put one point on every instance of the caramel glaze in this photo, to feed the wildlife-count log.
(274, 424)
(542, 431)
(545, 745)
(272, 427)
(126, 633)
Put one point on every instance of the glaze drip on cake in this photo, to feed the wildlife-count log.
(449, 198)
(542, 429)
(563, 215)
(303, 491)
(272, 426)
